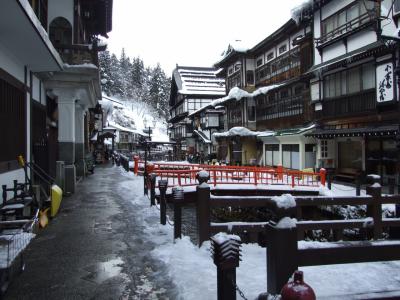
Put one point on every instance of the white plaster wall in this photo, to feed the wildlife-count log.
(388, 26)
(61, 8)
(36, 89)
(333, 6)
(286, 42)
(10, 64)
(333, 51)
(8, 177)
(361, 39)
(317, 34)
(250, 64)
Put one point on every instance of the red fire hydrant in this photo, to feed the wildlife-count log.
(297, 289)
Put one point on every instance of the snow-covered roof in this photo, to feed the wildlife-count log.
(237, 46)
(240, 131)
(122, 128)
(243, 131)
(237, 93)
(202, 136)
(199, 81)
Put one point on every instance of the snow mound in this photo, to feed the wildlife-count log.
(284, 201)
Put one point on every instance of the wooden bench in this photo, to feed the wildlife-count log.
(347, 173)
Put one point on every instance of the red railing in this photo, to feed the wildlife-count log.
(185, 175)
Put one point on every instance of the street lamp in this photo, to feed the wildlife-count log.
(147, 148)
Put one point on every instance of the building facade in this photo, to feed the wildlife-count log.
(354, 88)
(47, 88)
(191, 89)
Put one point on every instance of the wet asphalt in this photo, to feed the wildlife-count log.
(96, 247)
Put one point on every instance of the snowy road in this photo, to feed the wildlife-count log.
(107, 243)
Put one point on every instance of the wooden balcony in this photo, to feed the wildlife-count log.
(348, 105)
(346, 29)
(78, 54)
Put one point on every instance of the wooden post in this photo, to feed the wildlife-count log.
(162, 186)
(358, 185)
(215, 177)
(203, 212)
(322, 175)
(329, 178)
(279, 170)
(178, 198)
(152, 179)
(255, 176)
(226, 254)
(281, 255)
(375, 210)
(136, 164)
(4, 194)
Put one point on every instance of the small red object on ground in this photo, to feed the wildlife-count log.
(297, 289)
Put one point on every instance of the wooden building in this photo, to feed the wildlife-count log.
(274, 96)
(191, 89)
(354, 88)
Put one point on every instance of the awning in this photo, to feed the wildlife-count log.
(202, 136)
(348, 58)
(350, 132)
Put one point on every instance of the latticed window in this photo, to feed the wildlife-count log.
(12, 122)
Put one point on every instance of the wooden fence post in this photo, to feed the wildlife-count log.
(281, 254)
(203, 212)
(375, 210)
(226, 254)
(136, 166)
(162, 186)
(279, 170)
(152, 179)
(322, 175)
(178, 198)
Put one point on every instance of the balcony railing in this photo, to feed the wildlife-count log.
(77, 54)
(353, 25)
(348, 105)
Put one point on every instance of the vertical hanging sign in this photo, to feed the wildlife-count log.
(384, 82)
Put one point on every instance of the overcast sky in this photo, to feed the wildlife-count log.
(189, 32)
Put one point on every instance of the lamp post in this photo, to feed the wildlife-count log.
(146, 148)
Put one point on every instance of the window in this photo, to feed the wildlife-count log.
(259, 62)
(282, 49)
(237, 67)
(351, 81)
(324, 148)
(251, 109)
(270, 56)
(230, 70)
(272, 155)
(250, 77)
(291, 156)
(12, 117)
(347, 19)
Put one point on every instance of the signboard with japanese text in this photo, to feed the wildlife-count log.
(384, 82)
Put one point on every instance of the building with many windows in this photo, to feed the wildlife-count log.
(191, 89)
(354, 88)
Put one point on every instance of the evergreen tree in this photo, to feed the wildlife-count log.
(105, 72)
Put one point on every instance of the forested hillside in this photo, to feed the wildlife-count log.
(130, 80)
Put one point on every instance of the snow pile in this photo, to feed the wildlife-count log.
(299, 12)
(222, 237)
(287, 223)
(240, 131)
(284, 201)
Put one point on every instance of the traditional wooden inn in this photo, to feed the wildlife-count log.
(206, 121)
(191, 89)
(270, 98)
(48, 81)
(354, 90)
